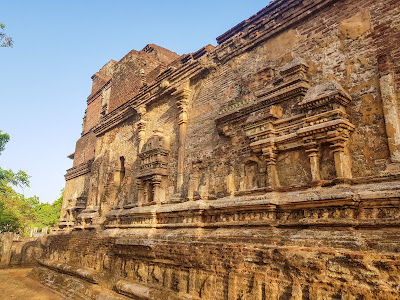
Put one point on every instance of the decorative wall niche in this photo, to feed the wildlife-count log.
(153, 169)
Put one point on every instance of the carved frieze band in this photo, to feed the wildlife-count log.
(343, 211)
(79, 170)
(113, 120)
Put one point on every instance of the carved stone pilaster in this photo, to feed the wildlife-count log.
(338, 140)
(270, 155)
(156, 181)
(390, 105)
(230, 182)
(141, 125)
(182, 97)
(313, 151)
(141, 195)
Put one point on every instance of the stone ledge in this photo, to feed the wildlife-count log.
(139, 291)
(88, 275)
(362, 206)
(79, 170)
(73, 287)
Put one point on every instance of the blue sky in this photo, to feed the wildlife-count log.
(59, 45)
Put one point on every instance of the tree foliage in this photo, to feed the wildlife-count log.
(8, 177)
(4, 138)
(18, 213)
(5, 41)
(48, 214)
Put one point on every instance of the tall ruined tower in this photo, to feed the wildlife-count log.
(266, 167)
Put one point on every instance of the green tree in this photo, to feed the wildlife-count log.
(8, 221)
(18, 213)
(4, 138)
(5, 41)
(8, 177)
(48, 214)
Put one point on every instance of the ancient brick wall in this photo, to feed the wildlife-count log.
(135, 70)
(322, 41)
(92, 116)
(266, 167)
(16, 251)
(85, 149)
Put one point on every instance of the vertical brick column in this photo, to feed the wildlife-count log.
(270, 154)
(312, 149)
(338, 140)
(390, 105)
(156, 180)
(182, 97)
(141, 125)
(141, 194)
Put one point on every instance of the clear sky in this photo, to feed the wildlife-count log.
(59, 45)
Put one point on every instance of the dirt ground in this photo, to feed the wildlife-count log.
(15, 284)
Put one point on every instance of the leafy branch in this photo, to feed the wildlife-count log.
(5, 41)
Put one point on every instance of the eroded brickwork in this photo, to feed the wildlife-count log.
(266, 167)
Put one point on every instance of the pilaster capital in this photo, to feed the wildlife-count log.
(338, 139)
(182, 96)
(312, 147)
(156, 179)
(141, 110)
(182, 101)
(139, 184)
(141, 125)
(270, 153)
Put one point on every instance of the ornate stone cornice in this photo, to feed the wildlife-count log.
(113, 120)
(323, 94)
(325, 127)
(273, 19)
(79, 170)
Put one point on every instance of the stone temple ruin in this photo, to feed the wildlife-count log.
(266, 167)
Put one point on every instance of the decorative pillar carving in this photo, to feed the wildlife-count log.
(312, 149)
(153, 162)
(338, 139)
(156, 181)
(262, 134)
(141, 125)
(193, 184)
(230, 182)
(140, 189)
(270, 155)
(390, 106)
(182, 97)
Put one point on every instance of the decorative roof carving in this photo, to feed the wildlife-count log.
(154, 156)
(297, 64)
(324, 93)
(292, 83)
